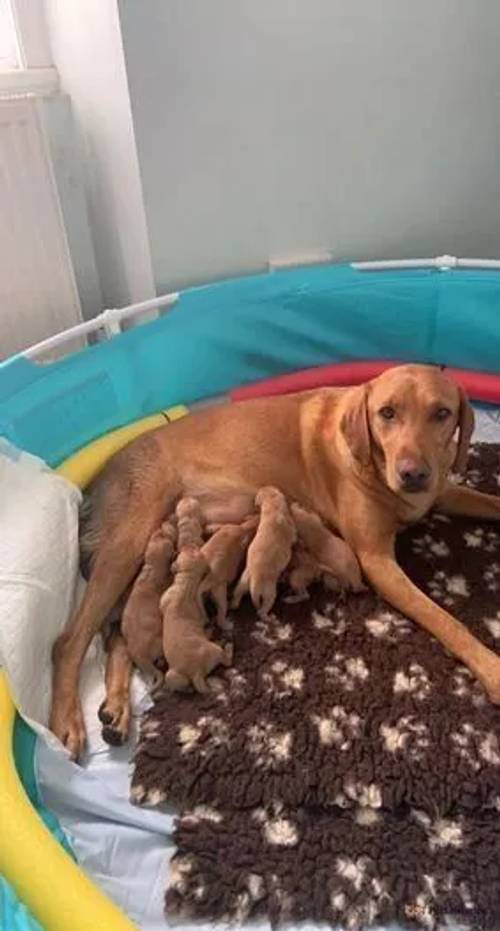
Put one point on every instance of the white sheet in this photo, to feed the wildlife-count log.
(38, 568)
(123, 848)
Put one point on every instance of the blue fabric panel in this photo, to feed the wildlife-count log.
(236, 332)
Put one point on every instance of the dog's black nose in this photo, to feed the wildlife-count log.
(413, 476)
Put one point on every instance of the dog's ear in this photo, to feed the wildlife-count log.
(354, 424)
(465, 428)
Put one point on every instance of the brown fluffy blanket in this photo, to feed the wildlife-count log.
(346, 769)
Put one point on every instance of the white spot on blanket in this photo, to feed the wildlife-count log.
(338, 901)
(457, 585)
(237, 682)
(189, 736)
(481, 538)
(474, 539)
(282, 680)
(366, 817)
(150, 729)
(387, 626)
(207, 813)
(488, 749)
(352, 870)
(491, 576)
(180, 868)
(268, 744)
(272, 632)
(416, 682)
(137, 794)
(470, 743)
(428, 547)
(464, 744)
(155, 797)
(493, 625)
(293, 678)
(370, 893)
(445, 833)
(340, 728)
(241, 911)
(407, 736)
(368, 796)
(320, 621)
(347, 672)
(281, 833)
(464, 685)
(447, 588)
(255, 886)
(421, 911)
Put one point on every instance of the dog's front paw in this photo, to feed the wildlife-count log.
(66, 722)
(114, 715)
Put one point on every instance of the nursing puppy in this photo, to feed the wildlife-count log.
(332, 554)
(141, 623)
(303, 571)
(190, 522)
(190, 654)
(224, 553)
(269, 552)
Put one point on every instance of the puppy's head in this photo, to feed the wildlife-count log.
(188, 507)
(190, 560)
(412, 424)
(269, 496)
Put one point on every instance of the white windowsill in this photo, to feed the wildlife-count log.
(39, 81)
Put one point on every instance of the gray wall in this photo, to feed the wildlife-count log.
(273, 127)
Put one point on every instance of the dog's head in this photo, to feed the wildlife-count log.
(412, 423)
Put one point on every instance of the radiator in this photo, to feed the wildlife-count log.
(38, 294)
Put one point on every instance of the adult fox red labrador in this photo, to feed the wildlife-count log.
(369, 460)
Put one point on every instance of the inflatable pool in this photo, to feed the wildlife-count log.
(286, 330)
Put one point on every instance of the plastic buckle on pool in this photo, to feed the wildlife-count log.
(446, 262)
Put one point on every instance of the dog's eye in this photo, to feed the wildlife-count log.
(387, 413)
(442, 413)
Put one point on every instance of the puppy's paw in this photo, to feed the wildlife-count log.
(228, 654)
(296, 598)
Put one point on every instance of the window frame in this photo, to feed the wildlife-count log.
(35, 72)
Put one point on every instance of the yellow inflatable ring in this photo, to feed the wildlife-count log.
(45, 878)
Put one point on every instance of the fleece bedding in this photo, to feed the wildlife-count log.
(345, 768)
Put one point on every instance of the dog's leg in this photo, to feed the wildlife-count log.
(201, 604)
(241, 589)
(380, 567)
(200, 683)
(219, 594)
(117, 560)
(460, 500)
(116, 564)
(114, 712)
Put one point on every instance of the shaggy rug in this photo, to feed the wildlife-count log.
(346, 769)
